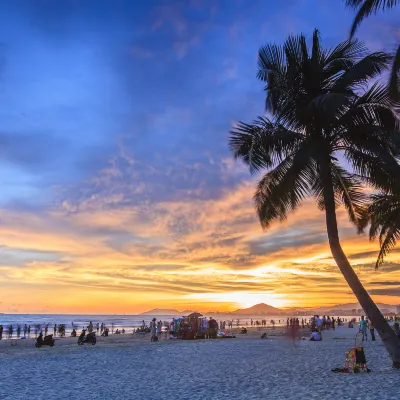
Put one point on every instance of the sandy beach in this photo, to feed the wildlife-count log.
(123, 366)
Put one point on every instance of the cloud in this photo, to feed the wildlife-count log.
(385, 292)
(385, 283)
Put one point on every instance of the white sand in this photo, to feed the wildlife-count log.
(242, 368)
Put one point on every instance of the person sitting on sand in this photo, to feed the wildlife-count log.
(264, 335)
(315, 336)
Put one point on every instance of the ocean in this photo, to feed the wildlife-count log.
(113, 322)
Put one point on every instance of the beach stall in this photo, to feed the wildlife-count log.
(188, 327)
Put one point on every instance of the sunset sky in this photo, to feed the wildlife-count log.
(118, 191)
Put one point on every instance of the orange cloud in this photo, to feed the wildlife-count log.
(210, 252)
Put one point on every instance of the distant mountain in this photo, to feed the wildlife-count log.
(166, 311)
(259, 309)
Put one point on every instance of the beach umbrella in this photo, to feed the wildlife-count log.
(195, 315)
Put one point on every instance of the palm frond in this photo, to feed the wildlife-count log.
(263, 144)
(349, 189)
(360, 73)
(350, 49)
(394, 84)
(282, 190)
(385, 222)
(367, 8)
(272, 69)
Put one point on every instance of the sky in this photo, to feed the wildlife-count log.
(118, 191)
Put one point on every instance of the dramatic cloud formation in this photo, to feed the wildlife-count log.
(118, 190)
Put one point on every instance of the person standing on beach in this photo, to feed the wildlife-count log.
(206, 328)
(55, 329)
(153, 328)
(1, 332)
(372, 331)
(159, 328)
(363, 328)
(319, 323)
(213, 326)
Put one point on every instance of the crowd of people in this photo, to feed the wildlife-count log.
(25, 331)
(209, 326)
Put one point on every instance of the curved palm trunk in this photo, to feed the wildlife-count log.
(386, 333)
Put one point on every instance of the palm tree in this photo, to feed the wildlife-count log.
(384, 215)
(365, 8)
(321, 113)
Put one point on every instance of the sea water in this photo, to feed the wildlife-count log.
(113, 322)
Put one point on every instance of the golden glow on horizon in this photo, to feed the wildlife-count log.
(243, 299)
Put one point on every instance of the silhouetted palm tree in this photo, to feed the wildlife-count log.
(322, 114)
(365, 8)
(385, 222)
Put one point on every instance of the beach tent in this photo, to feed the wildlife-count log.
(195, 315)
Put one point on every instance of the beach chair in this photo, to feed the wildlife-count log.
(355, 357)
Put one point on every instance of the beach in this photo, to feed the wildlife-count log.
(129, 366)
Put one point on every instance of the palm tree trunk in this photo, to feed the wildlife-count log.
(386, 333)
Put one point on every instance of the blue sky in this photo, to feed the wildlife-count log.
(107, 106)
